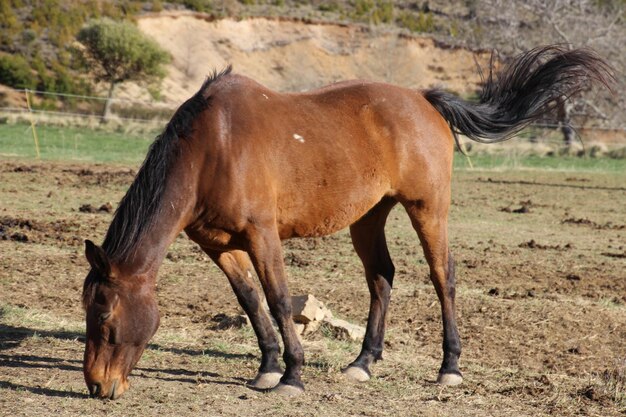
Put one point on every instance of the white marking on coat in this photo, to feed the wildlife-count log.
(172, 204)
(266, 97)
(298, 138)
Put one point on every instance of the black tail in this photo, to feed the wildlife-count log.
(522, 92)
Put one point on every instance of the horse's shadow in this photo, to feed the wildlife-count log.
(42, 391)
(12, 337)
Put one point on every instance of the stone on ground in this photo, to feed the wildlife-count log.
(307, 308)
(341, 329)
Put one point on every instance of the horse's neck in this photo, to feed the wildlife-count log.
(174, 215)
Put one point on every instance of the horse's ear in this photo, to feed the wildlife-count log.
(97, 258)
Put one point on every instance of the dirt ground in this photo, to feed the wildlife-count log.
(541, 295)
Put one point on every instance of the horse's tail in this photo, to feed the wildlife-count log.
(523, 91)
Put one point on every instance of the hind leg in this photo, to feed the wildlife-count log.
(238, 268)
(430, 220)
(368, 238)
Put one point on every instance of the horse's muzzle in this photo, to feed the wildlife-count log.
(114, 392)
(94, 390)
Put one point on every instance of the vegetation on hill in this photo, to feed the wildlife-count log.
(40, 34)
(118, 52)
(37, 37)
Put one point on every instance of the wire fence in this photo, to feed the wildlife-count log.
(78, 96)
(44, 107)
(66, 106)
(66, 115)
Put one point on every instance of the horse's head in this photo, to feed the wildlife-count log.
(122, 316)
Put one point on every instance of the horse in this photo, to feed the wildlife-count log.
(240, 168)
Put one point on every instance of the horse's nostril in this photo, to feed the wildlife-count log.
(94, 390)
(113, 389)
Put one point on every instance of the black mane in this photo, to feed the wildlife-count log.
(141, 205)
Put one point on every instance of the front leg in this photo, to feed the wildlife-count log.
(266, 253)
(238, 268)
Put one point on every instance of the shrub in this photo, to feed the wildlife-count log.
(10, 25)
(374, 11)
(157, 6)
(363, 7)
(420, 22)
(46, 81)
(66, 82)
(198, 5)
(15, 72)
(383, 12)
(329, 6)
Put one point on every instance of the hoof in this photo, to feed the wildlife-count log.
(449, 379)
(287, 390)
(355, 373)
(265, 380)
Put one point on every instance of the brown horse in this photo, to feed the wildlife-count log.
(240, 168)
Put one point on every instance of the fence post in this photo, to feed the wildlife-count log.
(32, 123)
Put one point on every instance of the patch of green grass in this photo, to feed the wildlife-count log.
(556, 163)
(611, 303)
(111, 145)
(37, 320)
(72, 143)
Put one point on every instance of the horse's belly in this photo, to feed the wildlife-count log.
(323, 216)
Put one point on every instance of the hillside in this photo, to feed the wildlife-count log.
(291, 45)
(291, 55)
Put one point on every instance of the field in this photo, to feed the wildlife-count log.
(540, 245)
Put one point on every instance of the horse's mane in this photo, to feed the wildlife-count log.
(142, 203)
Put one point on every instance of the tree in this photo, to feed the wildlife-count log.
(119, 52)
(515, 26)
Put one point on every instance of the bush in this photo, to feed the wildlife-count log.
(198, 5)
(15, 72)
(363, 7)
(421, 22)
(383, 12)
(10, 25)
(374, 11)
(157, 6)
(119, 51)
(329, 6)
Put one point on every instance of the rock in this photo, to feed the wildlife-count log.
(309, 314)
(311, 327)
(307, 308)
(343, 330)
(327, 314)
(299, 328)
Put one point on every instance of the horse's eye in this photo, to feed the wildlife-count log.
(104, 316)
